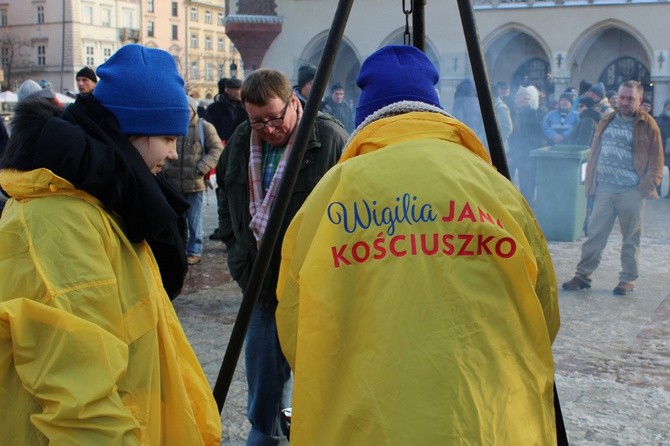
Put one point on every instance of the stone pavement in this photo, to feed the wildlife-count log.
(612, 353)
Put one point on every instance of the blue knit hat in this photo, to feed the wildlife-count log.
(142, 88)
(392, 74)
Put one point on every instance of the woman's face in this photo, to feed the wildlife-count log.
(156, 151)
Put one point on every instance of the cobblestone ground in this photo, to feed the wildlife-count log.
(612, 354)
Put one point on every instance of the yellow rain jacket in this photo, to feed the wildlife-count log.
(91, 350)
(417, 299)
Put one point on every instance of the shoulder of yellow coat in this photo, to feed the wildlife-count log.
(407, 126)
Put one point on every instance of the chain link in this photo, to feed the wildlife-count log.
(406, 37)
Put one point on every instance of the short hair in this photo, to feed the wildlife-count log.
(264, 84)
(30, 117)
(635, 85)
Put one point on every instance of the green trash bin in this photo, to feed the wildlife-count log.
(560, 204)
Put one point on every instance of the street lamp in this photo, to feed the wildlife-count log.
(233, 70)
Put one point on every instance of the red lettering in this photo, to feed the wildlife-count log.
(412, 244)
(338, 256)
(366, 252)
(446, 238)
(451, 214)
(485, 217)
(467, 238)
(499, 247)
(381, 252)
(482, 244)
(467, 213)
(394, 251)
(425, 249)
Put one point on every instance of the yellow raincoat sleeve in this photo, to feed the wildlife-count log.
(545, 285)
(70, 367)
(293, 256)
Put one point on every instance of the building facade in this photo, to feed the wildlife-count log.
(552, 44)
(210, 54)
(53, 39)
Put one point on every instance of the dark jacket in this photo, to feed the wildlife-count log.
(225, 115)
(86, 148)
(663, 122)
(647, 154)
(323, 150)
(585, 129)
(526, 134)
(342, 112)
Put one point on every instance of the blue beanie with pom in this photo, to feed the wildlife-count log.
(142, 88)
(395, 73)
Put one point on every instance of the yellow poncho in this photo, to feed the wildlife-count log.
(417, 299)
(91, 350)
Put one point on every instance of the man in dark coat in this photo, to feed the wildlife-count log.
(585, 129)
(337, 108)
(226, 113)
(251, 169)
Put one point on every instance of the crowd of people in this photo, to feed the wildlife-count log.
(625, 166)
(104, 220)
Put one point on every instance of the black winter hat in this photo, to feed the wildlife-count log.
(233, 83)
(306, 73)
(222, 85)
(88, 73)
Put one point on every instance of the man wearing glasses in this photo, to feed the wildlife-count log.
(252, 168)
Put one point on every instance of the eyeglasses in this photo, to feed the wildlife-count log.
(274, 122)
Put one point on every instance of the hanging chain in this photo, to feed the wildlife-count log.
(406, 37)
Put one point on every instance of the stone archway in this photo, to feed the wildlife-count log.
(345, 69)
(608, 52)
(515, 55)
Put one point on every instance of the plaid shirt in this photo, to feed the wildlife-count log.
(271, 157)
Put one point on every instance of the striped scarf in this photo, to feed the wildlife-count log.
(259, 203)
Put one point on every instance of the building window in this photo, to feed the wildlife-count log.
(209, 71)
(106, 53)
(40, 14)
(194, 14)
(194, 41)
(106, 17)
(208, 43)
(220, 46)
(4, 56)
(220, 71)
(194, 70)
(208, 16)
(220, 19)
(41, 55)
(150, 28)
(87, 14)
(3, 17)
(175, 9)
(175, 32)
(150, 5)
(90, 56)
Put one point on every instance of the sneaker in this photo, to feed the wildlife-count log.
(193, 260)
(623, 288)
(575, 284)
